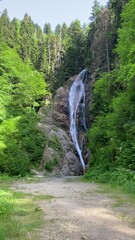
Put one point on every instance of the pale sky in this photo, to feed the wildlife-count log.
(50, 11)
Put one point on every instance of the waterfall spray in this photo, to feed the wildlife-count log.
(77, 101)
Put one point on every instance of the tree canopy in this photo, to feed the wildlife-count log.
(34, 62)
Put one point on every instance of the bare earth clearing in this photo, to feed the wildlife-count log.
(79, 211)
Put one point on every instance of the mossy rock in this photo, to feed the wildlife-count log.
(55, 144)
(51, 164)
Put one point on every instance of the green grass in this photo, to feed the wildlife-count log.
(123, 195)
(42, 197)
(20, 217)
(5, 180)
(124, 203)
(121, 178)
(116, 192)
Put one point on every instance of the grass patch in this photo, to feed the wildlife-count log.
(75, 179)
(42, 197)
(117, 192)
(121, 198)
(6, 180)
(20, 217)
(35, 179)
(123, 203)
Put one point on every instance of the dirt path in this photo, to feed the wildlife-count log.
(78, 211)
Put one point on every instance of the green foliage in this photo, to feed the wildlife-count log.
(111, 137)
(57, 55)
(120, 176)
(22, 89)
(47, 28)
(25, 88)
(25, 146)
(99, 43)
(32, 139)
(54, 160)
(116, 7)
(27, 37)
(126, 44)
(96, 10)
(5, 27)
(112, 131)
(72, 48)
(51, 164)
(55, 144)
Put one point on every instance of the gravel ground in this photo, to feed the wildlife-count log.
(79, 211)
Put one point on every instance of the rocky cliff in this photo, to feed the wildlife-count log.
(60, 156)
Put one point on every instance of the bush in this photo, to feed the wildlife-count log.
(21, 143)
(16, 163)
(122, 177)
(49, 166)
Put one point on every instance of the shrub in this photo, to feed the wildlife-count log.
(49, 165)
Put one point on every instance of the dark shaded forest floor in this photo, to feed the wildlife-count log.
(81, 210)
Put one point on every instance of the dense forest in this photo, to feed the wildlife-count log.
(106, 47)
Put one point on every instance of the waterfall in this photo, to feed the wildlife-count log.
(77, 104)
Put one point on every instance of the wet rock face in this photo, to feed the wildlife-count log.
(59, 153)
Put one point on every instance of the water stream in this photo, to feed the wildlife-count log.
(77, 106)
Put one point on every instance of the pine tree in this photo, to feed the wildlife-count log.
(47, 28)
(27, 37)
(5, 27)
(15, 33)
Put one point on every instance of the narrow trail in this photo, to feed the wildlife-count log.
(78, 211)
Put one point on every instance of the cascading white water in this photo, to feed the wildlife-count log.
(77, 102)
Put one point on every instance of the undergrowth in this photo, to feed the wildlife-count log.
(118, 177)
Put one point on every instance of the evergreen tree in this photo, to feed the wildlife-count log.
(96, 10)
(37, 48)
(73, 54)
(116, 7)
(100, 39)
(64, 31)
(47, 28)
(27, 37)
(5, 27)
(58, 29)
(15, 33)
(113, 108)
